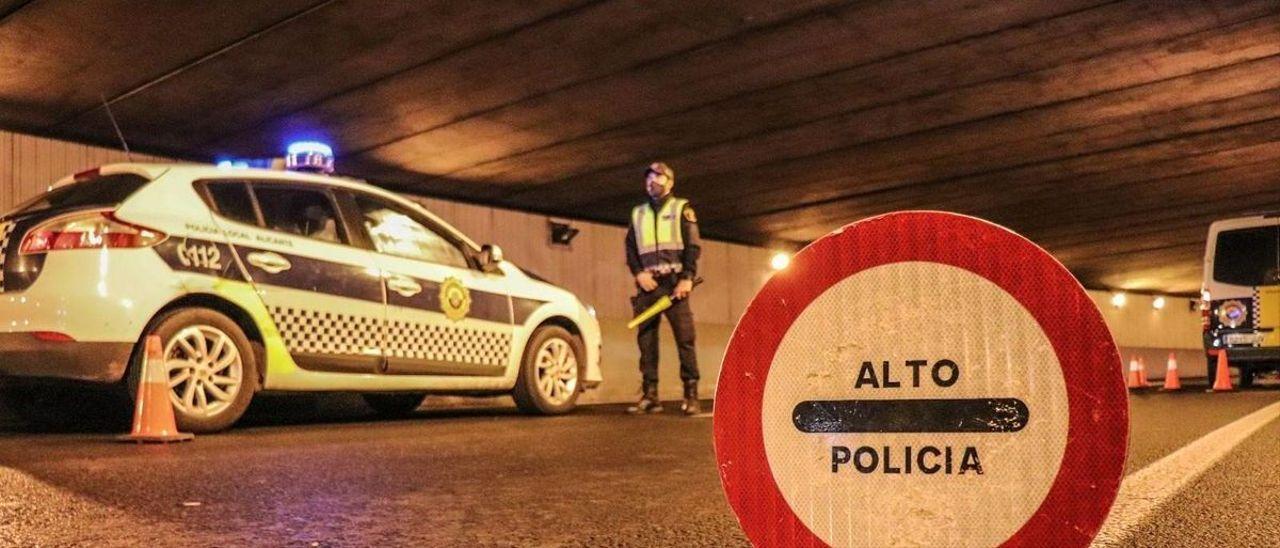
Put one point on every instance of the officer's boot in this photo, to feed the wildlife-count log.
(649, 402)
(691, 405)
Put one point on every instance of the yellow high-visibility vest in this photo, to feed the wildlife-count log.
(658, 237)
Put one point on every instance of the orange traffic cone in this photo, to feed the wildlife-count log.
(153, 413)
(1134, 380)
(1142, 372)
(1171, 380)
(1222, 377)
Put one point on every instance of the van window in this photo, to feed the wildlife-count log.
(104, 191)
(301, 211)
(1249, 256)
(396, 231)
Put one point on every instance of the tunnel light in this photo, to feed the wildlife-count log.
(1118, 299)
(780, 261)
(1158, 303)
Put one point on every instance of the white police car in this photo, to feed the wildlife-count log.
(260, 279)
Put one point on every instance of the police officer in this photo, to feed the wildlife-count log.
(662, 251)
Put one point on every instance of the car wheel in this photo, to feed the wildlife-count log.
(212, 368)
(548, 382)
(394, 405)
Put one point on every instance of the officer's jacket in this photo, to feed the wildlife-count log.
(663, 238)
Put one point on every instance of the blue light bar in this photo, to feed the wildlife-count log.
(312, 156)
(310, 147)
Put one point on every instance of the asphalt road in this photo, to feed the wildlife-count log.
(323, 472)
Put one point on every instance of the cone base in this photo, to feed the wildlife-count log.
(156, 438)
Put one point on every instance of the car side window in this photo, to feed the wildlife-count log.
(395, 231)
(233, 201)
(302, 211)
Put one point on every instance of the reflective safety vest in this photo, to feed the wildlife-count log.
(658, 237)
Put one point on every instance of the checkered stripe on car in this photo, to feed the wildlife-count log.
(444, 343)
(1254, 311)
(6, 228)
(316, 332)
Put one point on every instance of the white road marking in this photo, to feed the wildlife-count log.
(1142, 492)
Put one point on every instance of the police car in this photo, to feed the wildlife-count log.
(1241, 294)
(277, 280)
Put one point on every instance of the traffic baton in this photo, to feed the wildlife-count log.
(663, 303)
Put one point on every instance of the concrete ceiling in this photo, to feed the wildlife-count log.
(1110, 132)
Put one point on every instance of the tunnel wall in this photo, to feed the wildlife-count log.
(593, 268)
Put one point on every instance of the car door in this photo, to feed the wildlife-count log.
(324, 294)
(444, 317)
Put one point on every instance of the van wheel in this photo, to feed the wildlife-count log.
(394, 405)
(212, 368)
(1246, 376)
(548, 382)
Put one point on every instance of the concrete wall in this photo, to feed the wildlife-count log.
(1139, 324)
(593, 268)
(28, 165)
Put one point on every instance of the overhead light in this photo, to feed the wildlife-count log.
(780, 260)
(1118, 299)
(1158, 303)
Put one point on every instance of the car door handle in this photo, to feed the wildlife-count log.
(268, 261)
(404, 286)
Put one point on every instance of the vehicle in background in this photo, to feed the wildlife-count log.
(264, 279)
(1241, 294)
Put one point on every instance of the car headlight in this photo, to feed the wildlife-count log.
(1232, 314)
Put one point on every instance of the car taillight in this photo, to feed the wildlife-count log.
(88, 230)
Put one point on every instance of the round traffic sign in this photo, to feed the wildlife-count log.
(921, 378)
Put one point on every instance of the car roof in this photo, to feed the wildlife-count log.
(208, 171)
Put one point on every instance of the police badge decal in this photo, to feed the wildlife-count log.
(455, 300)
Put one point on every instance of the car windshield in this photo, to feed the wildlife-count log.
(104, 191)
(1249, 256)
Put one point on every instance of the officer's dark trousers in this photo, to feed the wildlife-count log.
(681, 318)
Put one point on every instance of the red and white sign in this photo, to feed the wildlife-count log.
(921, 379)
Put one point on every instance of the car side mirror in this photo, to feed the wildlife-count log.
(490, 256)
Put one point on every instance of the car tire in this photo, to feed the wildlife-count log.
(549, 379)
(197, 407)
(395, 404)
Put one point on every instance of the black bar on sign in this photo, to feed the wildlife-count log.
(881, 416)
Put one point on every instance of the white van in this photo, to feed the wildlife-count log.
(1241, 294)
